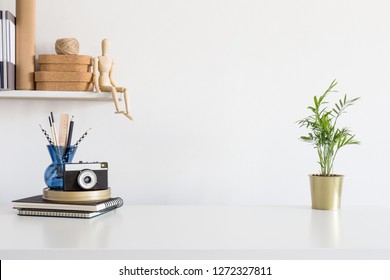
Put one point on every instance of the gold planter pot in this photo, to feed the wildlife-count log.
(326, 191)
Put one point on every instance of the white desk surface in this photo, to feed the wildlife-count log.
(201, 232)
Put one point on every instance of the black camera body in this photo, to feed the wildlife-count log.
(85, 176)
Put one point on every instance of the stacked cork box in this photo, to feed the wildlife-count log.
(64, 73)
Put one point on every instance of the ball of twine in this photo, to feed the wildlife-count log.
(67, 46)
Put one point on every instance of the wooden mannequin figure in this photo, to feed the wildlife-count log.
(104, 65)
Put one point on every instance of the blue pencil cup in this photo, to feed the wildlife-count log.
(54, 173)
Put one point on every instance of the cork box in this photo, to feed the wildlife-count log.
(64, 73)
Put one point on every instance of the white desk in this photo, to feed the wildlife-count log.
(201, 232)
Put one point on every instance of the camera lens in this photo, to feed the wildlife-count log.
(87, 179)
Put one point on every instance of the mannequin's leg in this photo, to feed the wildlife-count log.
(115, 98)
(126, 99)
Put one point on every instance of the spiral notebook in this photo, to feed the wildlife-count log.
(63, 213)
(37, 202)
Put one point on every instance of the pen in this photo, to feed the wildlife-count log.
(70, 132)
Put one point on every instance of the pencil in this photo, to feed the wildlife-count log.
(82, 137)
(55, 141)
(54, 129)
(47, 135)
(52, 132)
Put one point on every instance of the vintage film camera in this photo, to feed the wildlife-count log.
(85, 176)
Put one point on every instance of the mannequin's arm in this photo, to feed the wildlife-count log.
(113, 83)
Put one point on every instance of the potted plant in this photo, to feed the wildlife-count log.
(327, 139)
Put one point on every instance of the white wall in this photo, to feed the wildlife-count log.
(216, 87)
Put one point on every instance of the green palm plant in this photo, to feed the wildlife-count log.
(326, 138)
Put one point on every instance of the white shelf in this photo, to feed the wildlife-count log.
(56, 95)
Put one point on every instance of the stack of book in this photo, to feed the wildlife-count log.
(37, 206)
(7, 50)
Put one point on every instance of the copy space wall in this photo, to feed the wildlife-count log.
(216, 89)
